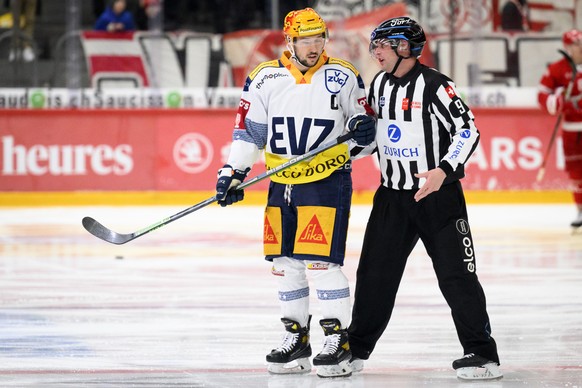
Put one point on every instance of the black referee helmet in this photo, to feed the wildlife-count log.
(400, 28)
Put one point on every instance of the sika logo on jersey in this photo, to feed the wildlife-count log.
(335, 80)
(272, 232)
(269, 236)
(313, 233)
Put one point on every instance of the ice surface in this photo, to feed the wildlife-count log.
(193, 304)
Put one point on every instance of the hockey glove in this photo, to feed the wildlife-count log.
(364, 129)
(574, 104)
(228, 180)
(556, 103)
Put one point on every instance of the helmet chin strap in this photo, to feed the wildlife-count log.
(293, 55)
(400, 58)
(396, 65)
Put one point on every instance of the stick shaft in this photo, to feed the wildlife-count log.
(106, 234)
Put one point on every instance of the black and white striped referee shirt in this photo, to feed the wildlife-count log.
(422, 124)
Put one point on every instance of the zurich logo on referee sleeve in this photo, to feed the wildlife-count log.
(466, 134)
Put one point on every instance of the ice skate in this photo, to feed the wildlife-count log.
(577, 222)
(357, 364)
(474, 367)
(292, 356)
(334, 359)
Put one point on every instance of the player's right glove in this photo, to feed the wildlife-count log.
(364, 129)
(557, 103)
(228, 180)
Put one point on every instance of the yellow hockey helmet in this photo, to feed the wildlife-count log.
(304, 22)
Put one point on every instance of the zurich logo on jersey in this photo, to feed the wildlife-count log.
(394, 133)
(466, 134)
(335, 80)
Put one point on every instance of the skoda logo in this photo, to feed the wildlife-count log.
(193, 153)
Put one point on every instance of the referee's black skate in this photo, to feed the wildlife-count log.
(474, 367)
(334, 359)
(292, 356)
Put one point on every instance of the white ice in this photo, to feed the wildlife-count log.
(193, 304)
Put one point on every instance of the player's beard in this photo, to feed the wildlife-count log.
(309, 59)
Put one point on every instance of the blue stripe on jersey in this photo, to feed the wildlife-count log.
(333, 294)
(255, 133)
(286, 296)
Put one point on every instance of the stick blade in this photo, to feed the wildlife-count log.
(98, 230)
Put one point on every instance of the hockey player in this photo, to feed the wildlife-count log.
(288, 107)
(425, 135)
(551, 98)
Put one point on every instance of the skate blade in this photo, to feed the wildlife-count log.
(342, 369)
(486, 372)
(299, 366)
(357, 365)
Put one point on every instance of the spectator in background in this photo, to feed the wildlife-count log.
(552, 99)
(149, 15)
(163, 15)
(115, 18)
(515, 16)
(28, 11)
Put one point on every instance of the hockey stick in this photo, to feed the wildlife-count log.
(569, 88)
(98, 230)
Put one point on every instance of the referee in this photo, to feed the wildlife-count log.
(425, 134)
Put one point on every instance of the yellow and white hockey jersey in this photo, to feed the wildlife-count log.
(287, 113)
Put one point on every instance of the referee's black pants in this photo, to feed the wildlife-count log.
(394, 227)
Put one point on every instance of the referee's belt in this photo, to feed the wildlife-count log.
(317, 168)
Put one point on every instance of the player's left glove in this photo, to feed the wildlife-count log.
(228, 180)
(364, 129)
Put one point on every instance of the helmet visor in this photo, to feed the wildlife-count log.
(308, 42)
(383, 43)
